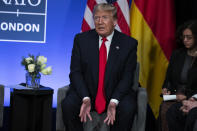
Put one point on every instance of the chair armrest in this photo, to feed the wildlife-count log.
(61, 94)
(140, 118)
(1, 104)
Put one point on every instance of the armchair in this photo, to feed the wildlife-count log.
(1, 104)
(140, 117)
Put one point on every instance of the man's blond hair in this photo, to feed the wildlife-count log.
(106, 7)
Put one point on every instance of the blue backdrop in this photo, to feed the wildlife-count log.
(64, 19)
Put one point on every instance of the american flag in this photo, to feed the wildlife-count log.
(122, 12)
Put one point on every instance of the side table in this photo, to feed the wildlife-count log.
(31, 109)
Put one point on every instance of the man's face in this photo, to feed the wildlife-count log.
(104, 23)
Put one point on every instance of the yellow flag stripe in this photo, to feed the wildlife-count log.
(153, 62)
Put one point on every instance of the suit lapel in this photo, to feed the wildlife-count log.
(94, 56)
(112, 56)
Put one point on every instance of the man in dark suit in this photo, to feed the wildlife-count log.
(102, 69)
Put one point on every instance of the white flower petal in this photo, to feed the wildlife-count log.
(31, 67)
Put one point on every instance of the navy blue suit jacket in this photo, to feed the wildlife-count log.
(120, 68)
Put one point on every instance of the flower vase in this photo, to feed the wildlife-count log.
(32, 82)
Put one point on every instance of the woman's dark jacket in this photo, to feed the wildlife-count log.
(173, 75)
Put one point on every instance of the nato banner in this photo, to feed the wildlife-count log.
(23, 20)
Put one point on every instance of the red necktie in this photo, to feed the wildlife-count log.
(100, 101)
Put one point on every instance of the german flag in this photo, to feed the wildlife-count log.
(152, 23)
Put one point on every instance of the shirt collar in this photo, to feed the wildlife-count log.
(109, 37)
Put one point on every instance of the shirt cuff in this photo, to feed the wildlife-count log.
(115, 101)
(85, 98)
(195, 96)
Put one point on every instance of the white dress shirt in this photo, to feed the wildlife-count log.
(107, 44)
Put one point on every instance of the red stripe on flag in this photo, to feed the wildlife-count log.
(128, 2)
(85, 26)
(160, 16)
(122, 23)
(91, 4)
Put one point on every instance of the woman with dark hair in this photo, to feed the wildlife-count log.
(181, 76)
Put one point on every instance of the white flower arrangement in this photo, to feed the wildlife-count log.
(35, 65)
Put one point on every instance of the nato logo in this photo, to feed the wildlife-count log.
(23, 20)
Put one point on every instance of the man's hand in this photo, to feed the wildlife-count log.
(85, 110)
(111, 113)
